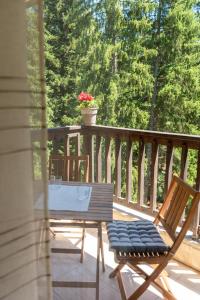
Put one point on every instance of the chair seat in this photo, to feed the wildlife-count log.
(135, 236)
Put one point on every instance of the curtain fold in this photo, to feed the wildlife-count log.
(24, 240)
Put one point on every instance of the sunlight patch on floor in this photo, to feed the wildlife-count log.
(181, 291)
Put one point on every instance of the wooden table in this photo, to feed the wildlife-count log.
(100, 210)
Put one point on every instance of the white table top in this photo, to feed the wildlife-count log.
(66, 197)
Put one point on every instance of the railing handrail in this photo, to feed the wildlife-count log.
(192, 141)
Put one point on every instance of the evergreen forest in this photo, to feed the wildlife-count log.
(138, 58)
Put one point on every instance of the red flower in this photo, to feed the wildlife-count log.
(85, 97)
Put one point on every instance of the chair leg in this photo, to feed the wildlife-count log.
(102, 252)
(53, 233)
(121, 286)
(150, 279)
(162, 285)
(116, 270)
(82, 244)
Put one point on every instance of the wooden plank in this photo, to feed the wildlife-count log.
(108, 159)
(169, 164)
(74, 284)
(177, 215)
(64, 250)
(154, 176)
(141, 158)
(184, 162)
(129, 154)
(98, 159)
(118, 149)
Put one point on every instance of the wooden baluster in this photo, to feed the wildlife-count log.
(118, 149)
(50, 168)
(55, 145)
(196, 222)
(184, 167)
(129, 154)
(66, 153)
(154, 176)
(78, 150)
(184, 162)
(108, 159)
(77, 162)
(89, 149)
(141, 158)
(72, 174)
(98, 159)
(169, 164)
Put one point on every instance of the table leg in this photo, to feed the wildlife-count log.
(102, 252)
(82, 244)
(98, 255)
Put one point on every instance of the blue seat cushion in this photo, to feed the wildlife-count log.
(135, 236)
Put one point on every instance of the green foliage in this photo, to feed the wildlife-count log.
(139, 59)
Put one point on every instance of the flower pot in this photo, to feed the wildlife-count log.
(89, 116)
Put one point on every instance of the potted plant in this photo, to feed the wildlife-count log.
(88, 108)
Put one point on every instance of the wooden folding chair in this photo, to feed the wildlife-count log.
(70, 168)
(56, 166)
(139, 242)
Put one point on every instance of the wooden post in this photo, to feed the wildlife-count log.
(154, 176)
(67, 153)
(184, 162)
(108, 159)
(98, 159)
(196, 222)
(89, 149)
(141, 158)
(77, 153)
(118, 150)
(169, 164)
(129, 154)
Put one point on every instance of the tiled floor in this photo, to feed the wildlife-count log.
(184, 282)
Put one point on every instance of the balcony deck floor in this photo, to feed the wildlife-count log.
(184, 282)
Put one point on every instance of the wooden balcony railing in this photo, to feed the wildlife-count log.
(140, 163)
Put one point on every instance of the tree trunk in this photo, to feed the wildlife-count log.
(153, 121)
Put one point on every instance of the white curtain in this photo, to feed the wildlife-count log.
(24, 241)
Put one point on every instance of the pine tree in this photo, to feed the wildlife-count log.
(175, 101)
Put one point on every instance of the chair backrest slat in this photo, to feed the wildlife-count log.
(173, 202)
(56, 166)
(172, 210)
(177, 202)
(179, 211)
